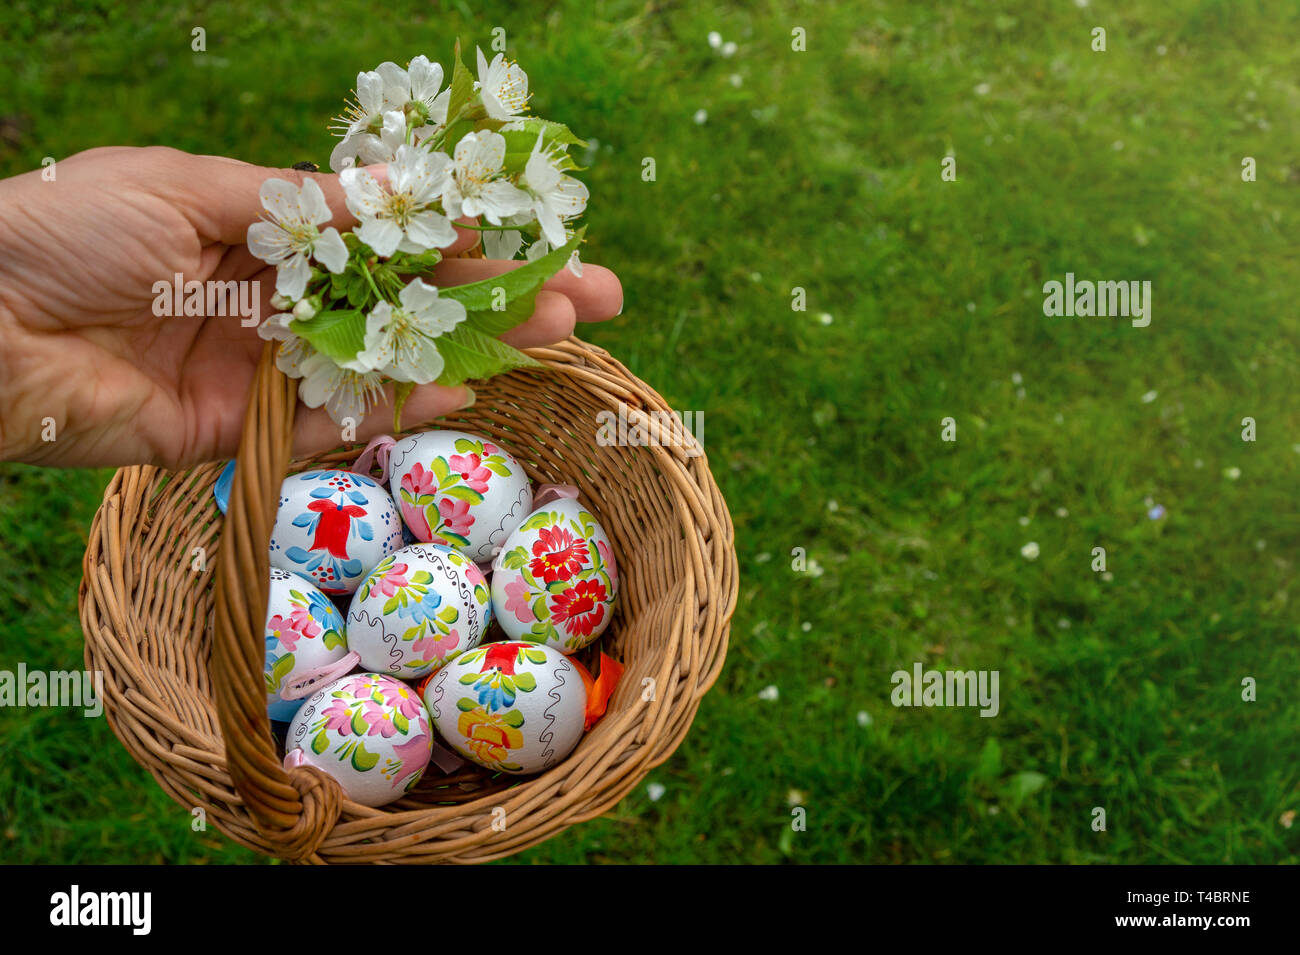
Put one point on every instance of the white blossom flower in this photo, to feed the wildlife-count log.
(555, 196)
(401, 342)
(404, 216)
(417, 90)
(503, 86)
(366, 148)
(293, 351)
(291, 236)
(475, 188)
(541, 247)
(506, 243)
(344, 392)
(1030, 551)
(365, 113)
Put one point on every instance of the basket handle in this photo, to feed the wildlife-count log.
(296, 809)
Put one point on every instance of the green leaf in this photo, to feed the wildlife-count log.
(401, 722)
(515, 558)
(320, 742)
(989, 766)
(496, 467)
(338, 334)
(392, 603)
(333, 639)
(1026, 784)
(462, 89)
(363, 760)
(513, 718)
(421, 577)
(539, 609)
(465, 704)
(520, 288)
(448, 614)
(358, 724)
(465, 446)
(526, 682)
(535, 656)
(468, 678)
(473, 354)
(556, 133)
(281, 669)
(439, 469)
(538, 521)
(465, 494)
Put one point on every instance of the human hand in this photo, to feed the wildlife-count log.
(82, 347)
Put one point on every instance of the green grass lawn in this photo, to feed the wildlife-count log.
(821, 170)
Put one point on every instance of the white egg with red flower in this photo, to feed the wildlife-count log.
(419, 607)
(510, 707)
(304, 643)
(555, 579)
(458, 489)
(370, 732)
(332, 527)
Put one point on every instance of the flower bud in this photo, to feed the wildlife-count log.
(307, 308)
(417, 114)
(282, 302)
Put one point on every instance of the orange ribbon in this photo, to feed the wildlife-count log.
(600, 689)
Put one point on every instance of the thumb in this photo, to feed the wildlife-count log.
(222, 195)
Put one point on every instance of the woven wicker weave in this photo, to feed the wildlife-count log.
(181, 649)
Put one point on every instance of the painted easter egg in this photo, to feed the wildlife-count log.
(333, 527)
(555, 579)
(418, 608)
(369, 731)
(304, 643)
(460, 490)
(512, 707)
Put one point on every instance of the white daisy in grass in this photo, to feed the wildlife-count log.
(404, 216)
(343, 392)
(291, 235)
(476, 187)
(555, 196)
(401, 341)
(502, 85)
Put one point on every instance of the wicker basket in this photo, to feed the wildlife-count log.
(181, 649)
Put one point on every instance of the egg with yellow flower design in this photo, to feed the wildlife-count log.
(511, 707)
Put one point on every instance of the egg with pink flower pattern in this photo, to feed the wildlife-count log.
(304, 643)
(555, 580)
(419, 607)
(370, 732)
(460, 490)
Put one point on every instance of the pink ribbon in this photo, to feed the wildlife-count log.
(295, 757)
(546, 493)
(309, 680)
(377, 450)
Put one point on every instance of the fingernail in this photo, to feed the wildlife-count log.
(620, 308)
(470, 398)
